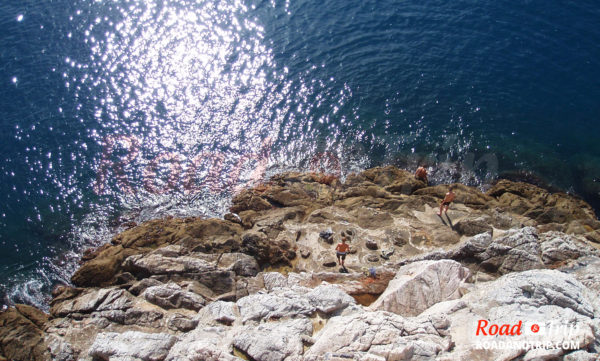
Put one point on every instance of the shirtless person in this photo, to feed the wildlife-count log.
(447, 200)
(421, 174)
(341, 250)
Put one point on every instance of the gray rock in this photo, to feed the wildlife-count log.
(420, 285)
(372, 245)
(544, 297)
(293, 302)
(171, 295)
(329, 299)
(472, 227)
(274, 341)
(131, 345)
(156, 264)
(84, 303)
(203, 344)
(515, 252)
(472, 246)
(116, 300)
(179, 322)
(557, 247)
(116, 316)
(278, 304)
(273, 280)
(60, 350)
(372, 258)
(542, 354)
(245, 265)
(141, 285)
(380, 336)
(587, 271)
(386, 254)
(581, 356)
(143, 317)
(221, 311)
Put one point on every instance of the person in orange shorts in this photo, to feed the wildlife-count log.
(341, 251)
(447, 200)
(421, 174)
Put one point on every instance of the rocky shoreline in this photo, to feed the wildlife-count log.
(263, 283)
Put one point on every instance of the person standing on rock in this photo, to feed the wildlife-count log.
(341, 251)
(447, 200)
(421, 174)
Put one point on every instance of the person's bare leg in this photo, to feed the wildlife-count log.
(446, 210)
(440, 212)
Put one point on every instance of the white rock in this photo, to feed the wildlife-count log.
(274, 341)
(278, 304)
(274, 280)
(418, 286)
(221, 311)
(171, 295)
(379, 335)
(203, 344)
(59, 348)
(83, 303)
(132, 345)
(581, 356)
(329, 298)
(548, 298)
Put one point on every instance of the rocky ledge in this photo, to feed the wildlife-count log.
(263, 283)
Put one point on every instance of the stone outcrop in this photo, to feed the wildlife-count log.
(264, 283)
(547, 298)
(22, 333)
(132, 345)
(420, 285)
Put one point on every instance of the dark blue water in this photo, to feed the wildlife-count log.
(128, 110)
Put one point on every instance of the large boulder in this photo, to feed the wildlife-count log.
(558, 247)
(203, 344)
(84, 303)
(194, 234)
(380, 336)
(171, 296)
(292, 302)
(471, 227)
(549, 299)
(22, 334)
(274, 341)
(420, 285)
(517, 251)
(132, 345)
(540, 204)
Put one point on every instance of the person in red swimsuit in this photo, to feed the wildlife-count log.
(341, 251)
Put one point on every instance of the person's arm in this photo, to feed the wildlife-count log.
(337, 248)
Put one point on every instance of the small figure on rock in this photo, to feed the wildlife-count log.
(341, 251)
(421, 174)
(447, 200)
